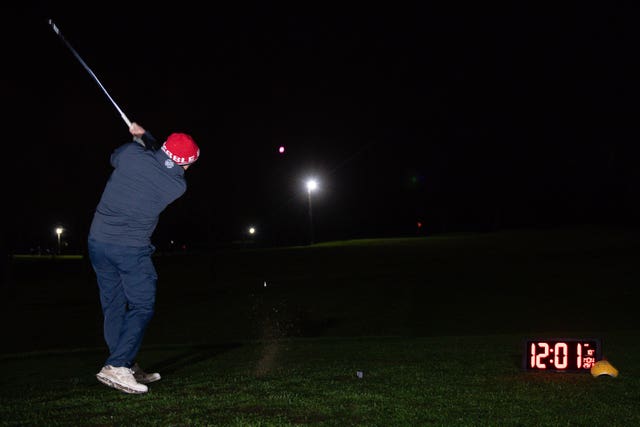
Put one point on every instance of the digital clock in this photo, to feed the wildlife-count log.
(561, 354)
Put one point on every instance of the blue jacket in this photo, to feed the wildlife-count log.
(142, 184)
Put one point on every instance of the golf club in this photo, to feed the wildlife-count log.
(86, 67)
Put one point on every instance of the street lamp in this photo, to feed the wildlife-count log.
(312, 184)
(59, 231)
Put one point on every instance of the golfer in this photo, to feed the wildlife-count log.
(143, 183)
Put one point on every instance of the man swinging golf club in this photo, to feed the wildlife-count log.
(143, 183)
(145, 180)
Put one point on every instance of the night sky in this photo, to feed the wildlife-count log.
(463, 117)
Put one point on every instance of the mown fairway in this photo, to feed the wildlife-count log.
(435, 324)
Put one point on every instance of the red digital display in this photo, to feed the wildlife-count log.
(561, 354)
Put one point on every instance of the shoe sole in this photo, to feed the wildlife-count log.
(108, 382)
(149, 379)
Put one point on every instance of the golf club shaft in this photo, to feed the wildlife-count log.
(57, 31)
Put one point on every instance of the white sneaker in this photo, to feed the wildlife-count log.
(142, 377)
(120, 378)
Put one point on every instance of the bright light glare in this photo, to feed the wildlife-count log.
(281, 149)
(59, 230)
(252, 230)
(312, 184)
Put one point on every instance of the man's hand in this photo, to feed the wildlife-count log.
(143, 137)
(136, 130)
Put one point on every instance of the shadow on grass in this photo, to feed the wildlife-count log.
(190, 356)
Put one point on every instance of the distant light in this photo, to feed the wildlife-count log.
(252, 230)
(419, 224)
(312, 184)
(59, 231)
(281, 149)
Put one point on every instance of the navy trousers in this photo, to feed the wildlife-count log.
(127, 281)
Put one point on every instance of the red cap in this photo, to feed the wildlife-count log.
(181, 148)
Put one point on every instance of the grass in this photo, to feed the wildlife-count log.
(435, 325)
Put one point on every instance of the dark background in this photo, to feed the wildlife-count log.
(465, 117)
